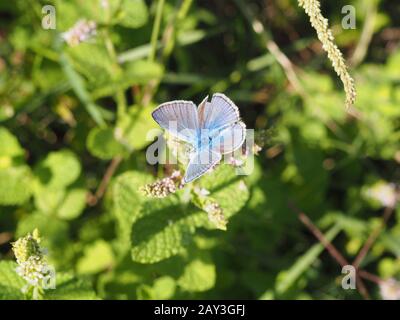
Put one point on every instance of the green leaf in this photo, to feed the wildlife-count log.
(92, 61)
(9, 146)
(137, 125)
(164, 230)
(163, 288)
(127, 202)
(15, 185)
(78, 86)
(156, 228)
(70, 288)
(134, 73)
(199, 275)
(227, 188)
(96, 257)
(66, 204)
(48, 199)
(133, 13)
(10, 282)
(73, 204)
(102, 144)
(127, 196)
(58, 170)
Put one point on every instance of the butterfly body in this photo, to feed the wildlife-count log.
(212, 129)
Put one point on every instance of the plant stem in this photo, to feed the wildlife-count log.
(156, 29)
(329, 247)
(366, 35)
(372, 237)
(266, 38)
(168, 42)
(170, 32)
(113, 166)
(117, 70)
(78, 86)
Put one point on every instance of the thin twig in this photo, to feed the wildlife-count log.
(156, 30)
(371, 277)
(287, 66)
(272, 47)
(366, 35)
(330, 248)
(320, 236)
(332, 251)
(336, 254)
(372, 237)
(105, 181)
(168, 43)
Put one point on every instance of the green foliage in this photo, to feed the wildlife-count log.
(164, 230)
(287, 278)
(199, 275)
(227, 188)
(58, 170)
(70, 288)
(102, 144)
(10, 146)
(137, 121)
(75, 124)
(99, 252)
(10, 282)
(15, 185)
(133, 15)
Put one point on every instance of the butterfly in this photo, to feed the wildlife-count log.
(213, 129)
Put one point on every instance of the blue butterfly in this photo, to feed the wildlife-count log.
(212, 129)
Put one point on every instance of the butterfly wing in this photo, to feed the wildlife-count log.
(180, 118)
(218, 113)
(229, 139)
(200, 162)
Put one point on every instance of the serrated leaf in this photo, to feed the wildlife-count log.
(70, 288)
(58, 170)
(102, 144)
(127, 195)
(10, 282)
(227, 188)
(164, 230)
(128, 200)
(15, 185)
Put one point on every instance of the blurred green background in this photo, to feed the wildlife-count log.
(70, 109)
